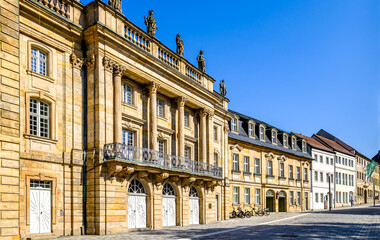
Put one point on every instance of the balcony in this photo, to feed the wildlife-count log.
(156, 159)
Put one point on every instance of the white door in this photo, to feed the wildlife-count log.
(136, 211)
(40, 211)
(168, 212)
(194, 211)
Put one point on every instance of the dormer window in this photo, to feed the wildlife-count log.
(285, 140)
(261, 133)
(274, 137)
(293, 143)
(303, 146)
(233, 125)
(250, 129)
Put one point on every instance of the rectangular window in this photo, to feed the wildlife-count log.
(285, 140)
(128, 138)
(39, 118)
(316, 197)
(315, 176)
(233, 124)
(290, 172)
(127, 94)
(270, 170)
(160, 107)
(246, 164)
(250, 130)
(261, 133)
(257, 196)
(321, 159)
(331, 161)
(327, 177)
(282, 170)
(186, 119)
(340, 178)
(291, 198)
(315, 157)
(187, 153)
(293, 143)
(322, 198)
(235, 162)
(215, 159)
(305, 178)
(38, 61)
(303, 146)
(321, 176)
(247, 196)
(236, 195)
(215, 133)
(161, 147)
(274, 137)
(327, 160)
(298, 198)
(298, 173)
(257, 166)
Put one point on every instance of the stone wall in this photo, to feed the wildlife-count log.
(9, 119)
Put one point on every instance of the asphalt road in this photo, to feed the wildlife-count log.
(362, 222)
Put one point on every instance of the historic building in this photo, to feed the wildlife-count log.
(322, 169)
(267, 167)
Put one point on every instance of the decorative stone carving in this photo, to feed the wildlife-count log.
(237, 146)
(281, 158)
(211, 185)
(118, 69)
(125, 172)
(153, 87)
(202, 112)
(116, 4)
(76, 61)
(270, 156)
(143, 174)
(108, 64)
(186, 182)
(222, 89)
(90, 61)
(201, 62)
(180, 48)
(150, 23)
(181, 101)
(159, 178)
(198, 182)
(226, 128)
(174, 179)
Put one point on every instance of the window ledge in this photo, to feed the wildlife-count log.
(247, 173)
(235, 171)
(298, 180)
(162, 118)
(283, 178)
(129, 105)
(188, 128)
(291, 179)
(42, 139)
(257, 174)
(270, 176)
(47, 78)
(305, 181)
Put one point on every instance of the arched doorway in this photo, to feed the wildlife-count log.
(365, 196)
(136, 205)
(270, 200)
(193, 206)
(282, 201)
(168, 206)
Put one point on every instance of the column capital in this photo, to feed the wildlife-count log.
(76, 61)
(118, 69)
(108, 64)
(181, 101)
(152, 87)
(90, 61)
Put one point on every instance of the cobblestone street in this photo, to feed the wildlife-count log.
(362, 222)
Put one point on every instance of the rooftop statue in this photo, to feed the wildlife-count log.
(116, 4)
(150, 23)
(179, 41)
(222, 89)
(201, 62)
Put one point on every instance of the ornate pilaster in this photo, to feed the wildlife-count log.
(210, 114)
(90, 61)
(153, 115)
(181, 125)
(202, 115)
(76, 61)
(108, 64)
(117, 73)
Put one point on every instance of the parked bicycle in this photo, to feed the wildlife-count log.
(253, 212)
(239, 213)
(233, 214)
(266, 212)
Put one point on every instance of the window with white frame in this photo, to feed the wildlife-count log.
(246, 164)
(186, 118)
(236, 195)
(257, 196)
(270, 168)
(290, 171)
(331, 161)
(233, 125)
(322, 200)
(128, 138)
(128, 94)
(315, 157)
(293, 143)
(250, 129)
(285, 140)
(305, 178)
(235, 162)
(303, 146)
(261, 133)
(188, 152)
(298, 198)
(39, 118)
(257, 166)
(160, 107)
(247, 196)
(161, 146)
(321, 159)
(315, 176)
(274, 137)
(282, 170)
(291, 202)
(38, 61)
(298, 173)
(316, 197)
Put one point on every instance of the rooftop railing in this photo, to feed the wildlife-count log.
(120, 151)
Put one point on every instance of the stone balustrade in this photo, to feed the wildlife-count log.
(153, 158)
(193, 73)
(136, 36)
(168, 58)
(61, 7)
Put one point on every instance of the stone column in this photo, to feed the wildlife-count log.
(118, 72)
(203, 136)
(181, 126)
(210, 138)
(153, 115)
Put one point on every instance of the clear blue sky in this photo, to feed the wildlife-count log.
(298, 65)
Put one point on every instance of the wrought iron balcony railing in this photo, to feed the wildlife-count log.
(155, 158)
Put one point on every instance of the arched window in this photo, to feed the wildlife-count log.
(270, 193)
(193, 192)
(136, 187)
(168, 190)
(39, 118)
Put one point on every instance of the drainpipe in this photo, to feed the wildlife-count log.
(84, 171)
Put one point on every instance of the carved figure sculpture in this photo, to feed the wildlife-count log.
(222, 88)
(150, 23)
(201, 62)
(180, 49)
(116, 4)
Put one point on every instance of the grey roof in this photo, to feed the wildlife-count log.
(243, 136)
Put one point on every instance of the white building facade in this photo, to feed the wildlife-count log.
(345, 179)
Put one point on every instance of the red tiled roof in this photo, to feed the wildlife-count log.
(334, 145)
(315, 143)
